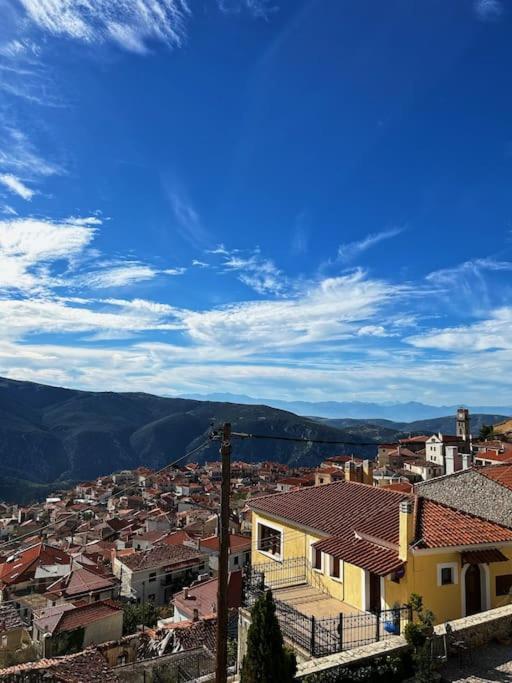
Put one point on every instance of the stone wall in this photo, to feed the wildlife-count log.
(480, 629)
(472, 492)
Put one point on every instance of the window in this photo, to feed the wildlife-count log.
(335, 567)
(152, 577)
(269, 540)
(504, 584)
(447, 574)
(317, 559)
(236, 560)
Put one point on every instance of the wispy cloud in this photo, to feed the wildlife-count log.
(348, 252)
(472, 268)
(16, 186)
(200, 264)
(19, 156)
(261, 9)
(188, 220)
(129, 23)
(488, 10)
(258, 273)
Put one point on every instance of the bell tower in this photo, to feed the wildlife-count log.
(462, 424)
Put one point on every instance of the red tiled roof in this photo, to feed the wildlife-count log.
(483, 556)
(494, 456)
(203, 596)
(403, 487)
(24, 564)
(80, 581)
(163, 555)
(237, 543)
(376, 559)
(88, 665)
(440, 526)
(499, 473)
(67, 617)
(176, 538)
(338, 508)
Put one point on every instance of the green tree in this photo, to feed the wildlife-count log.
(486, 431)
(133, 615)
(267, 660)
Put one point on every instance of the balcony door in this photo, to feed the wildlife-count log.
(374, 592)
(473, 590)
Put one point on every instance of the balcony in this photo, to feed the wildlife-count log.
(311, 619)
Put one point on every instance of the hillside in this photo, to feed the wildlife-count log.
(49, 435)
(387, 430)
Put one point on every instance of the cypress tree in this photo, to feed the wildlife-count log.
(267, 660)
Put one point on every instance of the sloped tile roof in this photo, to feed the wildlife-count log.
(81, 580)
(69, 617)
(502, 474)
(87, 666)
(440, 526)
(376, 559)
(162, 555)
(24, 564)
(338, 508)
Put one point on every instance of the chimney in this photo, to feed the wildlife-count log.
(350, 471)
(406, 528)
(449, 459)
(196, 614)
(466, 461)
(185, 592)
(368, 472)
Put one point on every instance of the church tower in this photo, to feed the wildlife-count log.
(462, 423)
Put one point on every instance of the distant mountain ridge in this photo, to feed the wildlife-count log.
(387, 430)
(51, 435)
(397, 412)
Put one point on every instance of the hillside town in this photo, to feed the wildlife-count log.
(119, 576)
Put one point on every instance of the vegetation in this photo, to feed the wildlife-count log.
(486, 431)
(382, 669)
(267, 660)
(83, 434)
(138, 614)
(417, 634)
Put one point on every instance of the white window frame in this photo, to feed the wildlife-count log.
(275, 527)
(455, 575)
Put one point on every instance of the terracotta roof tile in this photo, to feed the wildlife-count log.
(374, 558)
(440, 526)
(162, 555)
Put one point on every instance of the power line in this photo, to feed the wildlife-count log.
(297, 439)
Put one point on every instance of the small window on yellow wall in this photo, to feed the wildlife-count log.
(446, 576)
(504, 584)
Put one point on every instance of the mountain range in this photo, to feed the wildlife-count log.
(51, 437)
(397, 412)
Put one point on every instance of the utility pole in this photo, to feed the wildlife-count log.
(221, 664)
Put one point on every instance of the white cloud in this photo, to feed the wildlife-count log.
(258, 273)
(495, 332)
(188, 219)
(28, 246)
(261, 9)
(488, 10)
(16, 186)
(18, 155)
(200, 264)
(472, 268)
(132, 24)
(330, 310)
(349, 251)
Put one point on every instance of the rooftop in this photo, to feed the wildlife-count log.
(162, 555)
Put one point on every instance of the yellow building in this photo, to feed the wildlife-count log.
(347, 547)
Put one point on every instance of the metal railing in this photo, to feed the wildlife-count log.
(327, 635)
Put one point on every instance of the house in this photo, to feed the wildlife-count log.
(64, 629)
(82, 583)
(34, 567)
(440, 446)
(89, 666)
(239, 551)
(424, 469)
(158, 573)
(369, 548)
(15, 640)
(200, 601)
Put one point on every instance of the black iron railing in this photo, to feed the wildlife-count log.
(327, 635)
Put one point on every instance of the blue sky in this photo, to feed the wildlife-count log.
(304, 200)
